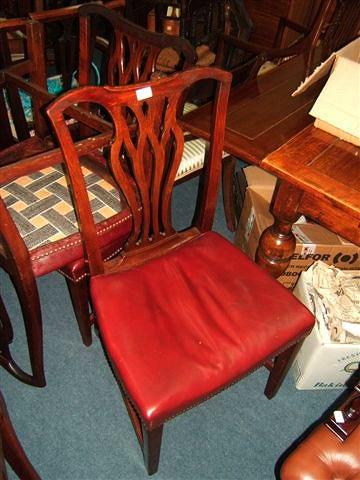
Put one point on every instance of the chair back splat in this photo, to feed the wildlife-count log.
(145, 155)
(129, 53)
(182, 314)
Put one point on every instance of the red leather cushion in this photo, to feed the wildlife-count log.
(183, 326)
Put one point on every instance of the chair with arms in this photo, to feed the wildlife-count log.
(38, 228)
(52, 243)
(255, 55)
(130, 53)
(182, 315)
(251, 57)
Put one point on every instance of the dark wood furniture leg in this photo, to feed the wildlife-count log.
(11, 449)
(26, 288)
(149, 440)
(79, 297)
(228, 172)
(277, 243)
(151, 448)
(279, 368)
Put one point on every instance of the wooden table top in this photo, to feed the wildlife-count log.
(325, 167)
(262, 115)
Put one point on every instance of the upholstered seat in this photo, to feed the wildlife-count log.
(201, 295)
(41, 206)
(37, 208)
(331, 451)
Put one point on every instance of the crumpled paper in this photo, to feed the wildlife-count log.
(336, 299)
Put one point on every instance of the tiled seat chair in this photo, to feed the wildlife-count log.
(40, 234)
(49, 239)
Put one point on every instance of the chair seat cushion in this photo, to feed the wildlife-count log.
(181, 327)
(42, 209)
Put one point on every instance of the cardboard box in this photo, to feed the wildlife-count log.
(337, 108)
(313, 242)
(322, 365)
(253, 177)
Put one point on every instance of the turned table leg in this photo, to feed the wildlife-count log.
(277, 242)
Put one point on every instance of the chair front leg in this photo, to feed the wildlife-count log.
(151, 448)
(30, 305)
(149, 440)
(13, 451)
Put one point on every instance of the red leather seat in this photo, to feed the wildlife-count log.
(184, 305)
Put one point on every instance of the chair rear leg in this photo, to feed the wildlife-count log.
(79, 293)
(280, 367)
(228, 170)
(28, 295)
(13, 451)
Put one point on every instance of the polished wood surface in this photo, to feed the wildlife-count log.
(262, 115)
(319, 177)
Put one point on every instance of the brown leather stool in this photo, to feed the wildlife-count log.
(332, 450)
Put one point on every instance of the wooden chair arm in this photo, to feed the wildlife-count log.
(45, 97)
(53, 157)
(256, 49)
(13, 24)
(57, 14)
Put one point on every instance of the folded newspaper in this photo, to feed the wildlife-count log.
(335, 295)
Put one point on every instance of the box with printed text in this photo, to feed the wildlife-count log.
(313, 242)
(322, 364)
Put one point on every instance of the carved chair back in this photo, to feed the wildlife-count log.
(144, 157)
(130, 53)
(253, 55)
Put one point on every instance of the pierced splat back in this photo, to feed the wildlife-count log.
(144, 157)
(130, 52)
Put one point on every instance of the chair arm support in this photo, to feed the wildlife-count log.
(257, 49)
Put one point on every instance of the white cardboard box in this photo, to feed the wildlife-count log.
(320, 365)
(337, 108)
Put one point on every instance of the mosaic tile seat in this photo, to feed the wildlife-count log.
(42, 209)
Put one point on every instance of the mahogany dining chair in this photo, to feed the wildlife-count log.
(182, 314)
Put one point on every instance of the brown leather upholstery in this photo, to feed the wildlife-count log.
(323, 456)
(332, 450)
